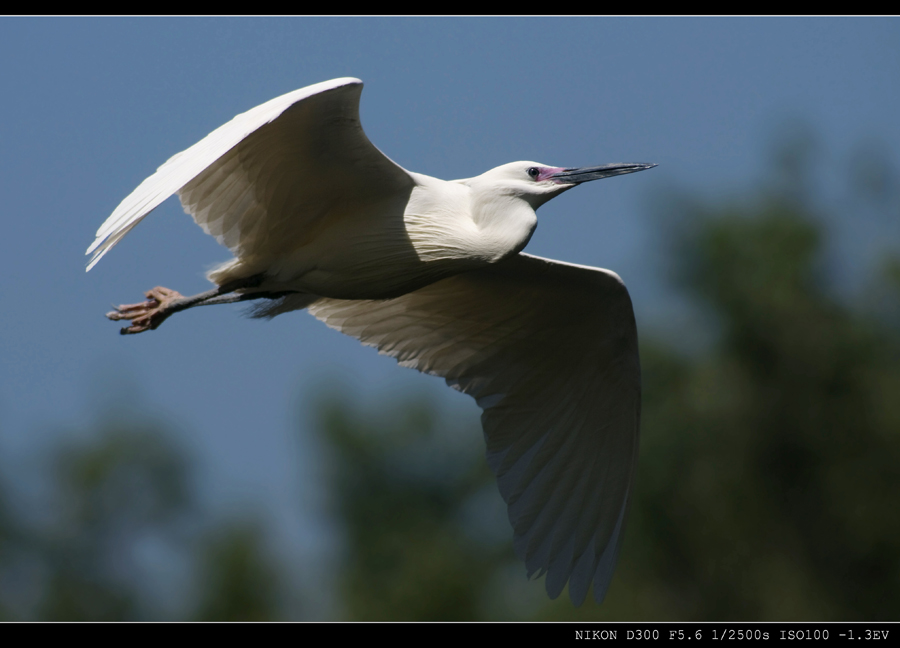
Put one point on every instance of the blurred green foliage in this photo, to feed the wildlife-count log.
(767, 485)
(240, 582)
(114, 496)
(401, 482)
(768, 482)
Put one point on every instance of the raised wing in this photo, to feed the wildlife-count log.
(265, 180)
(549, 351)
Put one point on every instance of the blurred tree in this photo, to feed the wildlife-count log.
(109, 495)
(401, 486)
(112, 495)
(8, 544)
(239, 580)
(768, 481)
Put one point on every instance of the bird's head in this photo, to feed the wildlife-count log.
(537, 183)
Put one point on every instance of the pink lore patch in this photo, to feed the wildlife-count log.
(545, 172)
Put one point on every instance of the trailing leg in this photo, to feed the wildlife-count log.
(163, 302)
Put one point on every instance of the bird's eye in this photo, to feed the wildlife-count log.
(534, 172)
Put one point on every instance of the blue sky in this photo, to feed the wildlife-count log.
(92, 106)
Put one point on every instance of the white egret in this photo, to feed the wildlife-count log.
(431, 273)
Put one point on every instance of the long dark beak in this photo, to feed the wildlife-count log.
(586, 174)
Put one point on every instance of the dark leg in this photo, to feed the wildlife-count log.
(163, 302)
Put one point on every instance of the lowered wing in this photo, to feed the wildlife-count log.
(549, 351)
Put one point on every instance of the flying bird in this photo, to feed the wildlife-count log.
(431, 273)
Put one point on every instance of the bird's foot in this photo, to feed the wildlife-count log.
(147, 315)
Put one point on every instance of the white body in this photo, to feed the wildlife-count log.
(430, 272)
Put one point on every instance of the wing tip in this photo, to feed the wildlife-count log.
(94, 259)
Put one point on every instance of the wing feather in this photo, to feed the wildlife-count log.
(549, 351)
(259, 183)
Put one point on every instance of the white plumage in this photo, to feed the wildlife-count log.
(431, 273)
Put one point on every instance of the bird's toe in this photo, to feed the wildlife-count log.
(146, 315)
